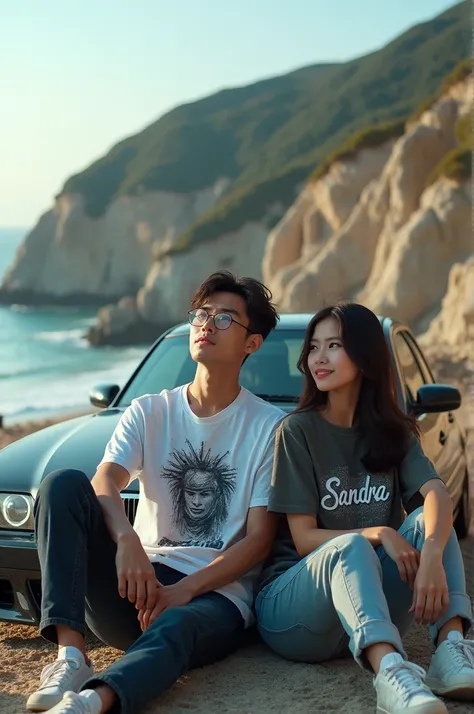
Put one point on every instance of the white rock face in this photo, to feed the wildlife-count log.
(319, 212)
(69, 254)
(371, 230)
(452, 331)
(415, 275)
(165, 297)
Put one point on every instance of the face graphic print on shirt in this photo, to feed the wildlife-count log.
(201, 485)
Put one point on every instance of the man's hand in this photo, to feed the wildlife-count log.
(402, 553)
(430, 596)
(166, 596)
(135, 573)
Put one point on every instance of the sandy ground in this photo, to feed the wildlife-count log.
(253, 680)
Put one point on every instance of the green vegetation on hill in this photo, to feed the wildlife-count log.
(463, 130)
(367, 138)
(268, 137)
(457, 164)
(460, 72)
(243, 206)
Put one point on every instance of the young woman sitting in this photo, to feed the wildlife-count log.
(349, 569)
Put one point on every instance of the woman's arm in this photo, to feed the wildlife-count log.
(307, 536)
(438, 514)
(430, 592)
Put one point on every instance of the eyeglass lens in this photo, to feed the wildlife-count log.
(222, 320)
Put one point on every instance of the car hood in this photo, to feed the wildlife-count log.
(77, 443)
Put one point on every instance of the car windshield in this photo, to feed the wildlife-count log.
(271, 372)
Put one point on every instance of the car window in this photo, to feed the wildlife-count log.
(420, 358)
(412, 373)
(270, 371)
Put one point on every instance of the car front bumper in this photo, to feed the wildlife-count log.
(20, 579)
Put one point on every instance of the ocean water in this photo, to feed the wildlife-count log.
(46, 365)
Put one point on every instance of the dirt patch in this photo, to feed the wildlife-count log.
(252, 681)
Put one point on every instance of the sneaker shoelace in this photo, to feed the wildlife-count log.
(74, 704)
(409, 679)
(53, 674)
(463, 652)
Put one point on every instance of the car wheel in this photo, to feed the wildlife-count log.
(462, 521)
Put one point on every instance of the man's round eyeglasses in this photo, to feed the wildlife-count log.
(221, 320)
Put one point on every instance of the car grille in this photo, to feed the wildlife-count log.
(35, 590)
(6, 595)
(131, 504)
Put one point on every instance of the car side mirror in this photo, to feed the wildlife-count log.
(103, 395)
(432, 398)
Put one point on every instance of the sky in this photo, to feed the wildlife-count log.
(79, 75)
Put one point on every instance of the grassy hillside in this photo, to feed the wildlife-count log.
(269, 136)
(460, 72)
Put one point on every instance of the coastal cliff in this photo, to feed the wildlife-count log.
(227, 182)
(386, 237)
(73, 258)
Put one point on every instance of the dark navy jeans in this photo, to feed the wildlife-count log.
(79, 586)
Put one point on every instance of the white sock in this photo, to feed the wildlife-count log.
(454, 636)
(390, 660)
(71, 652)
(93, 700)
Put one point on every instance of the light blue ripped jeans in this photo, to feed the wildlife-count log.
(346, 595)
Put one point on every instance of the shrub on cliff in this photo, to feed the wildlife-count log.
(463, 130)
(460, 72)
(456, 165)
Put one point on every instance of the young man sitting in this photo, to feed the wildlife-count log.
(176, 590)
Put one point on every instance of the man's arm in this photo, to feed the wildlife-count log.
(109, 480)
(136, 576)
(227, 567)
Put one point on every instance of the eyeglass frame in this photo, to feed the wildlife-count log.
(209, 315)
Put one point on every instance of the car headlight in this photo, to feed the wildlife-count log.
(16, 511)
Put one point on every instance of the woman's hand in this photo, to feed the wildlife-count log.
(136, 575)
(430, 596)
(405, 557)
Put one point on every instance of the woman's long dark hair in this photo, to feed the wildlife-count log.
(379, 421)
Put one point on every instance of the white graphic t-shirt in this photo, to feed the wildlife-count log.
(198, 478)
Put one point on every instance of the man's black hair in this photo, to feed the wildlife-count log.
(261, 312)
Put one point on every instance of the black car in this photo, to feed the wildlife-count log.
(271, 373)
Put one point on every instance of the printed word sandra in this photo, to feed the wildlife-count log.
(347, 497)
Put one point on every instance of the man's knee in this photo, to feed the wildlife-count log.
(62, 484)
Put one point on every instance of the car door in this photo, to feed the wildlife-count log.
(434, 428)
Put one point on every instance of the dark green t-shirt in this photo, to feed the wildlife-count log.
(318, 471)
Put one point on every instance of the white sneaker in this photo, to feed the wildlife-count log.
(68, 672)
(401, 688)
(87, 702)
(451, 672)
